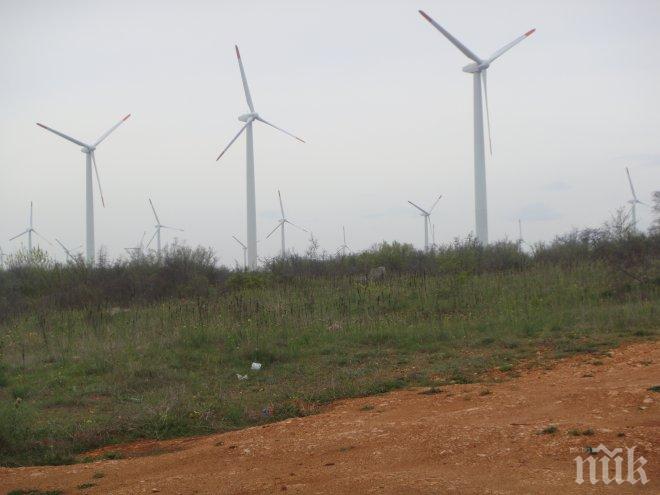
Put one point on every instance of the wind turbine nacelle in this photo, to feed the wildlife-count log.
(86, 150)
(248, 116)
(475, 67)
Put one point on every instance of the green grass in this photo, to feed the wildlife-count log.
(72, 380)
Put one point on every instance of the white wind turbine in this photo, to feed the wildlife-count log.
(90, 160)
(249, 118)
(280, 225)
(29, 231)
(137, 250)
(344, 247)
(67, 251)
(158, 226)
(634, 201)
(479, 69)
(427, 220)
(245, 249)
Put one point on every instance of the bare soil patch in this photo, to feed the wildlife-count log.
(463, 439)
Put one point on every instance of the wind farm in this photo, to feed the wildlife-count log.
(196, 335)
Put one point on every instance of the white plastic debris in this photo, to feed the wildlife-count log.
(241, 377)
(256, 366)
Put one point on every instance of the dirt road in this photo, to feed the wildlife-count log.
(465, 439)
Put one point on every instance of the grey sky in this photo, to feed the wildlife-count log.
(376, 92)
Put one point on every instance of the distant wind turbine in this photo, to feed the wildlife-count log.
(249, 118)
(280, 225)
(427, 220)
(158, 226)
(90, 159)
(67, 251)
(245, 249)
(29, 231)
(479, 71)
(137, 250)
(634, 201)
(344, 247)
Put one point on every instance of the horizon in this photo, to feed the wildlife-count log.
(384, 108)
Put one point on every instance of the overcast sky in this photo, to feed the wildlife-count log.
(376, 92)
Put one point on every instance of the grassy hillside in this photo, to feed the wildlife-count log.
(91, 370)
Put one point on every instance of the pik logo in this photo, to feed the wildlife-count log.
(612, 469)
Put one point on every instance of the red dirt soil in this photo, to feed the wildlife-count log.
(466, 439)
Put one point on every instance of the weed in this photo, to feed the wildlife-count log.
(85, 486)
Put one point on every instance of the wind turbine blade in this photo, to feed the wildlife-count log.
(508, 46)
(62, 245)
(466, 51)
(111, 130)
(232, 141)
(484, 78)
(248, 97)
(296, 226)
(68, 138)
(22, 233)
(171, 228)
(279, 195)
(273, 231)
(152, 238)
(280, 129)
(98, 180)
(38, 234)
(154, 210)
(236, 239)
(435, 204)
(419, 208)
(632, 188)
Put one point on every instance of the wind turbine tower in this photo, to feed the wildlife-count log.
(478, 69)
(427, 220)
(90, 159)
(159, 226)
(29, 231)
(245, 249)
(634, 201)
(249, 119)
(280, 225)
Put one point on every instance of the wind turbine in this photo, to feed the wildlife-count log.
(479, 69)
(427, 220)
(137, 250)
(29, 231)
(249, 118)
(344, 246)
(158, 226)
(634, 201)
(67, 251)
(245, 250)
(90, 159)
(281, 223)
